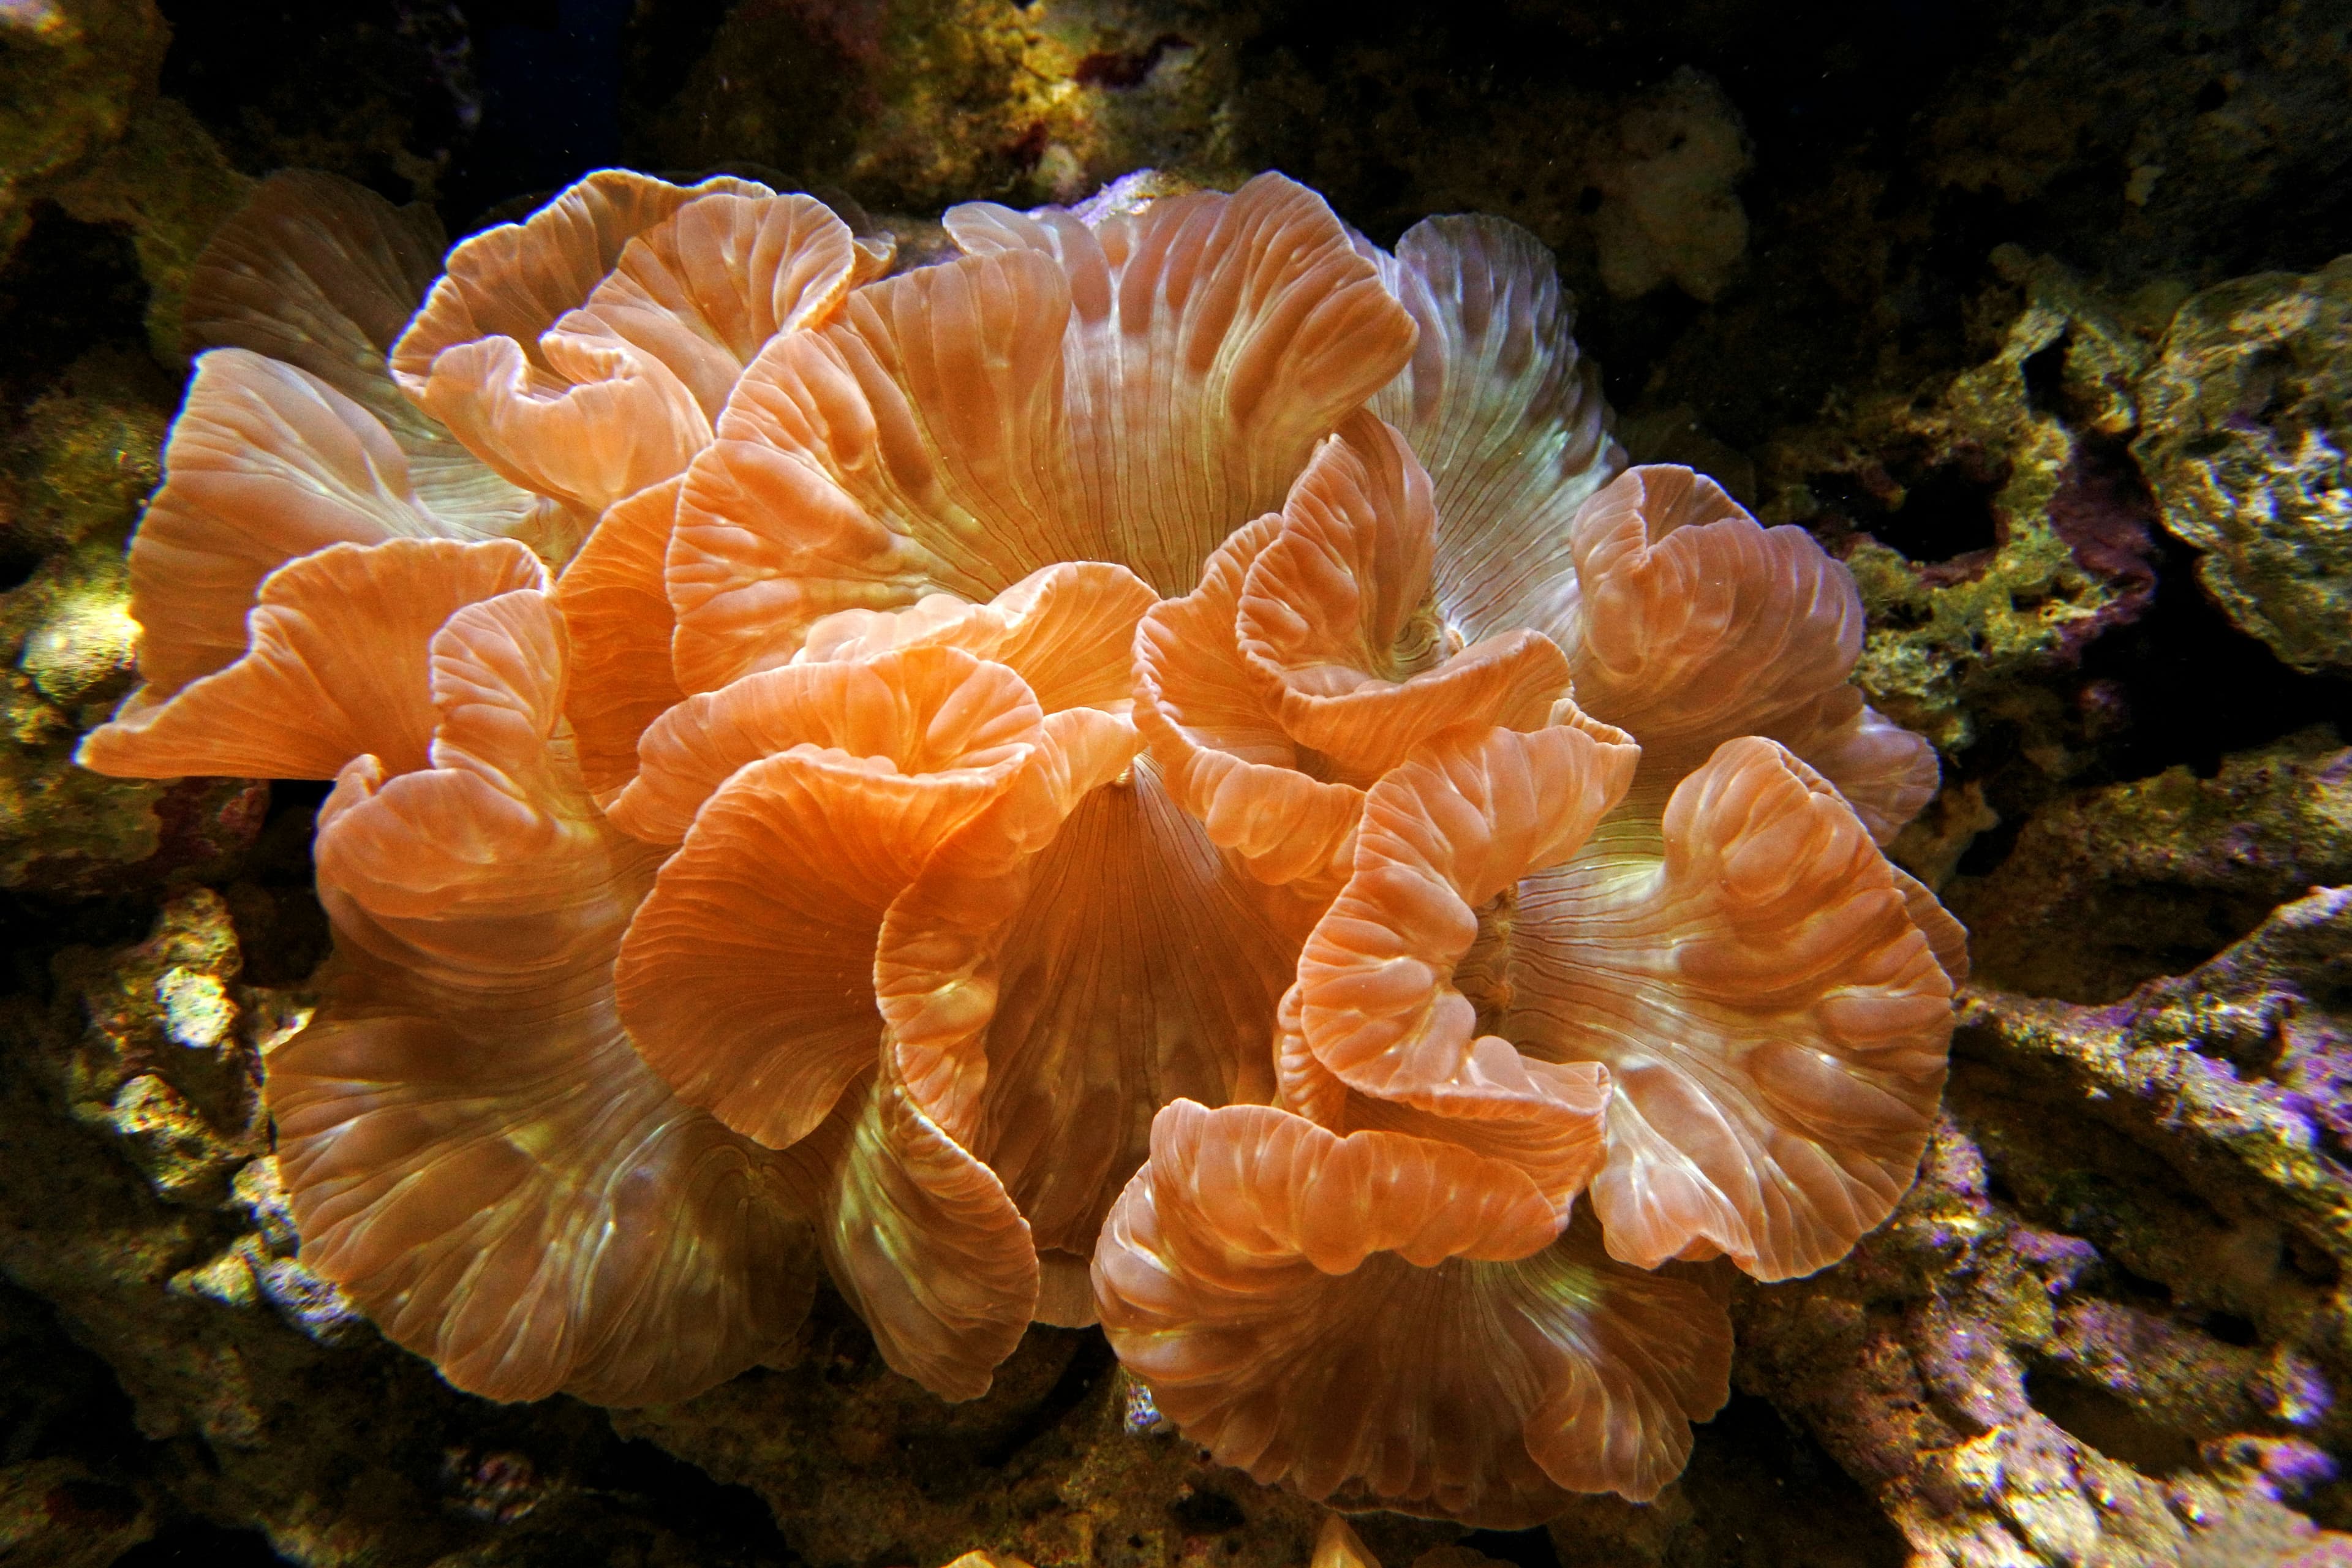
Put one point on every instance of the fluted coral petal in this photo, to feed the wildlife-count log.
(1645, 1355)
(1887, 773)
(593, 423)
(1466, 818)
(909, 712)
(1333, 618)
(316, 271)
(1693, 623)
(1302, 1085)
(530, 1237)
(611, 598)
(704, 290)
(336, 669)
(1506, 415)
(1226, 758)
(1070, 958)
(923, 1236)
(471, 1146)
(1555, 1139)
(320, 273)
(747, 977)
(1946, 938)
(515, 279)
(1774, 1019)
(582, 386)
(1397, 1322)
(486, 858)
(916, 444)
(938, 958)
(1131, 396)
(1328, 602)
(1336, 1545)
(1066, 629)
(1065, 1290)
(925, 1242)
(1134, 968)
(266, 463)
(1213, 340)
(494, 797)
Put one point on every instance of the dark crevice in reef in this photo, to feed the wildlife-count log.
(2197, 687)
(2110, 1424)
(1520, 1548)
(403, 102)
(658, 1485)
(19, 558)
(71, 287)
(1946, 518)
(35, 925)
(1752, 1465)
(192, 1543)
(2089, 1180)
(1090, 1361)
(56, 1399)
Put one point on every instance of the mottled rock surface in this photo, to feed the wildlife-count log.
(2246, 416)
(2112, 887)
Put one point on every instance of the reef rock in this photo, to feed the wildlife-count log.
(1063, 1463)
(70, 71)
(2244, 419)
(2109, 1326)
(1668, 212)
(1991, 519)
(2111, 886)
(71, 477)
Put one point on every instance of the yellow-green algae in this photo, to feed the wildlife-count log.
(1942, 646)
(2245, 417)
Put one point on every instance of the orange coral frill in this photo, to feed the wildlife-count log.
(472, 1147)
(1128, 394)
(1311, 659)
(1379, 1317)
(957, 942)
(583, 352)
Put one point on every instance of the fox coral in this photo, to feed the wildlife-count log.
(1153, 771)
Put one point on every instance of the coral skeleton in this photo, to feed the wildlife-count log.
(1160, 771)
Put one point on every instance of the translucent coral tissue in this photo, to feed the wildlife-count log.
(1156, 771)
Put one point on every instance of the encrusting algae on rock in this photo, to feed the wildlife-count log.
(2244, 426)
(2020, 540)
(753, 840)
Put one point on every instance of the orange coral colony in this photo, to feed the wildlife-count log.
(1158, 770)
